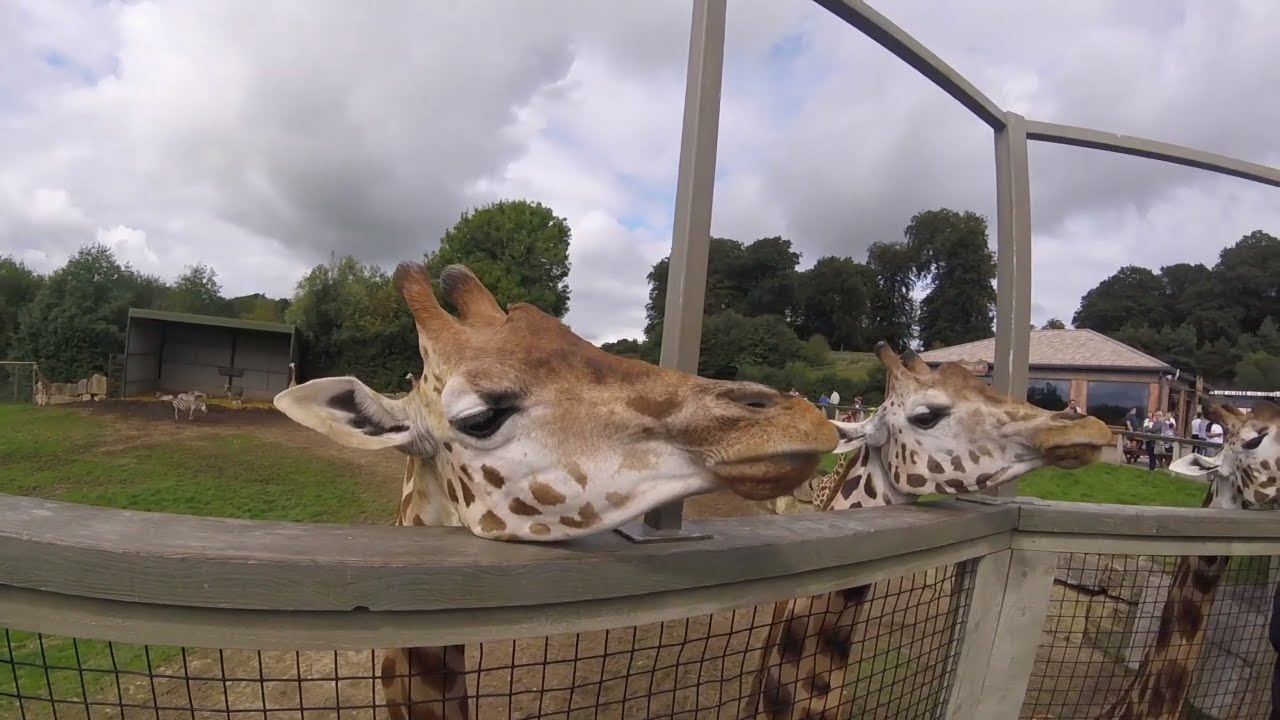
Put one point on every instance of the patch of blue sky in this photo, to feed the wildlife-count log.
(651, 207)
(64, 63)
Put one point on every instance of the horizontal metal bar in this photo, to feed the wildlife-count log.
(897, 41)
(1151, 149)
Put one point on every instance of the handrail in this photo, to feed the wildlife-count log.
(223, 563)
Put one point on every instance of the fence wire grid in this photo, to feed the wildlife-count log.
(906, 642)
(1105, 612)
(17, 382)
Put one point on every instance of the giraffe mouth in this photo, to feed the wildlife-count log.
(769, 477)
(1071, 457)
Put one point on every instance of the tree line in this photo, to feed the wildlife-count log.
(1216, 322)
(764, 318)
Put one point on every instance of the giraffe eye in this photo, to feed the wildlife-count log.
(1253, 442)
(485, 423)
(929, 418)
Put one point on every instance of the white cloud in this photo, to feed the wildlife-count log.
(257, 139)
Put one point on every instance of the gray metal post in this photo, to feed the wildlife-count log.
(1013, 266)
(691, 234)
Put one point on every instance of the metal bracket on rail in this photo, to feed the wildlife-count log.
(640, 532)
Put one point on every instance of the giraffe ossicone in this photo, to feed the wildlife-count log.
(533, 433)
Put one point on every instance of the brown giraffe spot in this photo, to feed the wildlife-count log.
(388, 671)
(1203, 578)
(491, 523)
(468, 497)
(870, 489)
(656, 408)
(544, 494)
(1164, 631)
(575, 472)
(1189, 616)
(933, 466)
(540, 529)
(973, 456)
(448, 446)
(915, 457)
(520, 507)
(587, 517)
(1260, 496)
(467, 472)
(837, 641)
(953, 486)
(820, 684)
(982, 480)
(1265, 465)
(957, 463)
(417, 520)
(775, 698)
(616, 499)
(791, 641)
(855, 595)
(850, 486)
(453, 494)
(493, 477)
(916, 480)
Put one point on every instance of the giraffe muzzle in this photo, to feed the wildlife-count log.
(767, 477)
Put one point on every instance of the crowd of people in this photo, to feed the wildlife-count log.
(1159, 454)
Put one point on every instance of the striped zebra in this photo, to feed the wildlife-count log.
(190, 402)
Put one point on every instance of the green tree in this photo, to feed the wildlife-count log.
(1131, 295)
(1217, 361)
(1247, 280)
(952, 256)
(893, 308)
(1258, 371)
(834, 300)
(626, 347)
(352, 321)
(1265, 340)
(197, 291)
(78, 315)
(18, 287)
(518, 248)
(257, 307)
(731, 341)
(1054, 323)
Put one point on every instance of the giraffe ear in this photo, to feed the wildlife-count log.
(353, 414)
(1195, 465)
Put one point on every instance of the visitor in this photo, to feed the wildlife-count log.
(1197, 432)
(857, 409)
(1213, 433)
(1154, 425)
(1073, 408)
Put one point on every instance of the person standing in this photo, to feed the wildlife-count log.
(1197, 431)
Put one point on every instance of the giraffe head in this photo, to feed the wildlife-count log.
(1248, 468)
(946, 431)
(536, 434)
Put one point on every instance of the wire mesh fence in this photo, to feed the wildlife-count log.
(17, 382)
(1105, 613)
(905, 644)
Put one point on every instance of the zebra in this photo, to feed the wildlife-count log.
(190, 402)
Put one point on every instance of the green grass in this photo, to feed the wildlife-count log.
(1100, 483)
(64, 454)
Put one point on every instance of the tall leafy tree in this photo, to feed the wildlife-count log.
(518, 248)
(893, 308)
(198, 291)
(1054, 323)
(834, 299)
(953, 258)
(78, 315)
(18, 287)
(1131, 294)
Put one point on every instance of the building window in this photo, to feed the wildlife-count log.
(1111, 401)
(1049, 394)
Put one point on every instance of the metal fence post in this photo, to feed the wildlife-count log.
(691, 232)
(1013, 267)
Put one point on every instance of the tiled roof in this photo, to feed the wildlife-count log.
(1057, 349)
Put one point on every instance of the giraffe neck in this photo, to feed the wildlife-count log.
(425, 683)
(1159, 689)
(810, 645)
(864, 482)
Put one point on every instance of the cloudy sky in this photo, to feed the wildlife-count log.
(260, 137)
